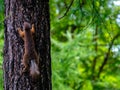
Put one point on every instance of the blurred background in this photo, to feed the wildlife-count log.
(85, 44)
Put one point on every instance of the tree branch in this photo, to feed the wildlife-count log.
(107, 54)
(67, 10)
(96, 49)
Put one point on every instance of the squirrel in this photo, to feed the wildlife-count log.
(30, 57)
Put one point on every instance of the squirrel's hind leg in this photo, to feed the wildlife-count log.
(25, 62)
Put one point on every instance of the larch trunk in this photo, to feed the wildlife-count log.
(16, 13)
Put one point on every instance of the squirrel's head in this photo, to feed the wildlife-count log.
(27, 26)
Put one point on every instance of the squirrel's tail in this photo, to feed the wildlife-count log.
(34, 70)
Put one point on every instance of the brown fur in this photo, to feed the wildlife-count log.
(30, 58)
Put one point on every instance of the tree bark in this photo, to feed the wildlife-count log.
(16, 13)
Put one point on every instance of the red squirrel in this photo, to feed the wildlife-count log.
(30, 58)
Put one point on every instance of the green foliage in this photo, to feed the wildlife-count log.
(72, 64)
(82, 40)
(1, 42)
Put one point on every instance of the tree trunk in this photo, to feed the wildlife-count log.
(16, 13)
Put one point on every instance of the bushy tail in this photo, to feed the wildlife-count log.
(34, 70)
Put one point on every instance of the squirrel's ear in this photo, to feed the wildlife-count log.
(21, 33)
(33, 29)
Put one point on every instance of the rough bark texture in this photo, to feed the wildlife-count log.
(16, 13)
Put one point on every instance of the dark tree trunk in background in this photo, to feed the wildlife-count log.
(16, 13)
